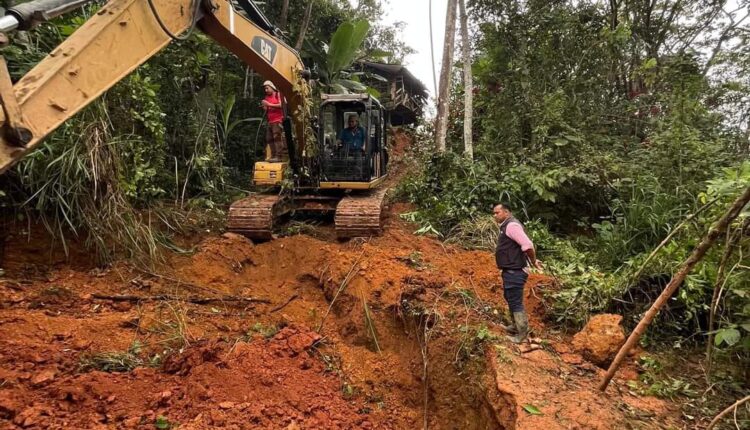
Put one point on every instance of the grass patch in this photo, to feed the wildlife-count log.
(415, 260)
(118, 361)
(295, 228)
(473, 339)
(267, 331)
(475, 233)
(654, 381)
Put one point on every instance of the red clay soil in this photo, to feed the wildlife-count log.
(600, 339)
(386, 333)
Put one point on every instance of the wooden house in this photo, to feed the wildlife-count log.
(401, 93)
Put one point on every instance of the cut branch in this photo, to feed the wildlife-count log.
(285, 304)
(726, 411)
(349, 276)
(695, 257)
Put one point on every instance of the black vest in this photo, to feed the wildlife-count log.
(508, 254)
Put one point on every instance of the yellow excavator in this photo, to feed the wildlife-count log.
(123, 34)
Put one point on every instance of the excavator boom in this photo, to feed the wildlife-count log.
(121, 36)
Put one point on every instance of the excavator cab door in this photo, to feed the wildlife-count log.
(377, 141)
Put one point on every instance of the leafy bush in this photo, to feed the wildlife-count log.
(450, 190)
(74, 181)
(596, 270)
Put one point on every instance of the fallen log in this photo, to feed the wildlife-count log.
(695, 257)
(195, 300)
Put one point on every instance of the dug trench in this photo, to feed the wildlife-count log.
(394, 332)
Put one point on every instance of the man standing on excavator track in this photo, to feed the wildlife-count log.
(513, 254)
(275, 114)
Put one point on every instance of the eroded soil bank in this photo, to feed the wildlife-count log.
(391, 333)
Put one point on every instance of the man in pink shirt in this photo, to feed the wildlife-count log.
(513, 254)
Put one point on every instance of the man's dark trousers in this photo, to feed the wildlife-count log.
(513, 282)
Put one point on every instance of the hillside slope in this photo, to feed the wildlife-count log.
(383, 333)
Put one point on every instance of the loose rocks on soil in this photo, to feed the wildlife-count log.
(600, 340)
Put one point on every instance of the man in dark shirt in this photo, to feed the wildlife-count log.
(513, 253)
(353, 137)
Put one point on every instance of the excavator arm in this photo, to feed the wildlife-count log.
(121, 36)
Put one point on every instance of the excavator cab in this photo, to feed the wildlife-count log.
(343, 166)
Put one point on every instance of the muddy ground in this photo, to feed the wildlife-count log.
(395, 332)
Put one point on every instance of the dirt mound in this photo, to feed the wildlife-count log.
(537, 389)
(263, 383)
(217, 259)
(390, 333)
(600, 339)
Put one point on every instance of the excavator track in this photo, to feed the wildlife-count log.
(254, 216)
(361, 215)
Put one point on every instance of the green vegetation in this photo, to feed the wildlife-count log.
(473, 339)
(118, 361)
(267, 331)
(654, 382)
(163, 423)
(169, 146)
(607, 126)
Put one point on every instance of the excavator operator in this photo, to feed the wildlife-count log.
(353, 137)
(275, 114)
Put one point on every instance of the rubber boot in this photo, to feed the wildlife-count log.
(522, 326)
(508, 328)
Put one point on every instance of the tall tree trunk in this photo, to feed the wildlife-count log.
(432, 54)
(305, 24)
(284, 14)
(468, 83)
(441, 124)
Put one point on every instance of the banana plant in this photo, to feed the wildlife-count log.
(226, 125)
(334, 60)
